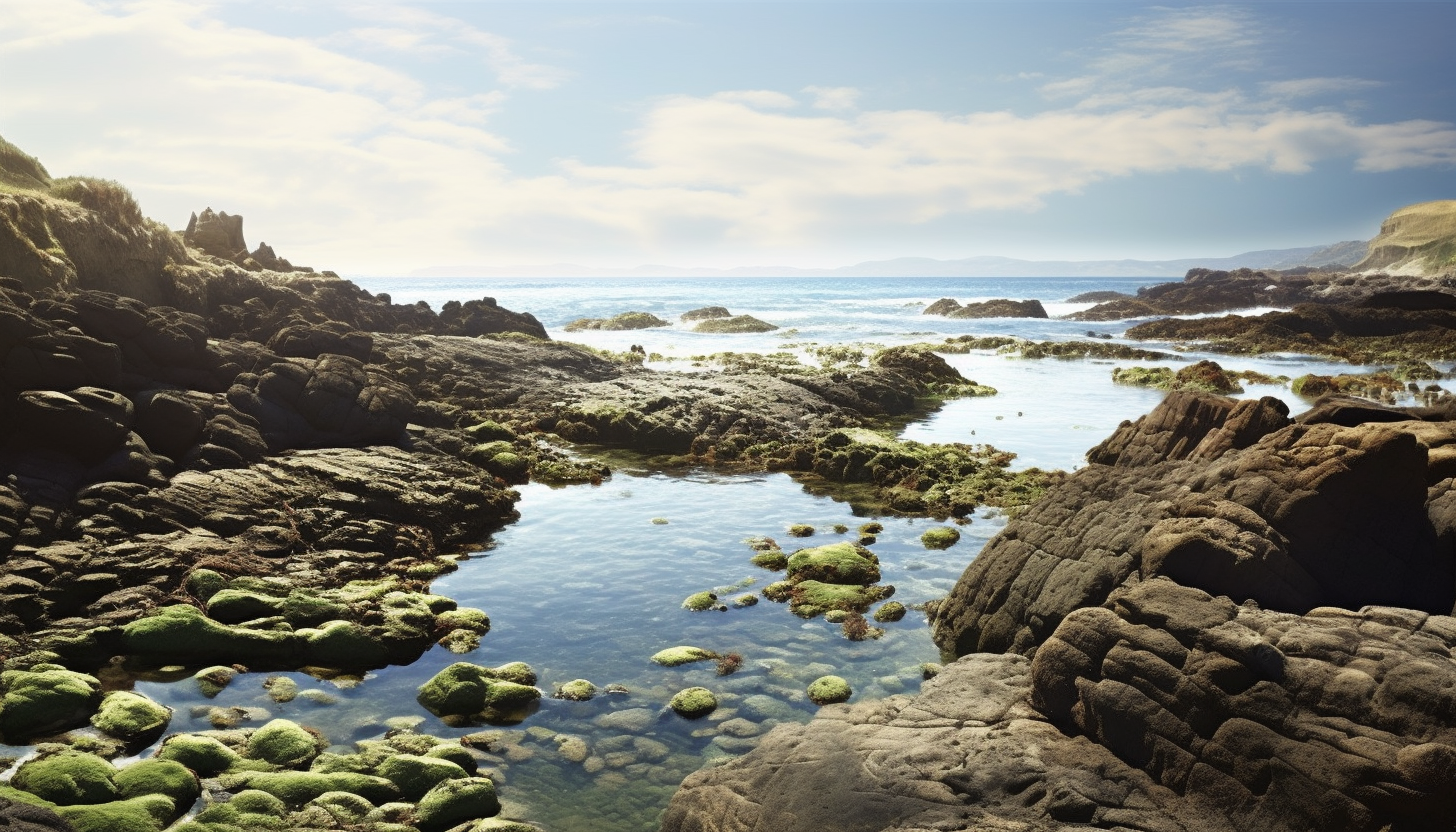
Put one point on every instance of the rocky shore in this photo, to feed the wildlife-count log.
(1227, 620)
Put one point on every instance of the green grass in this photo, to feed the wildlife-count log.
(20, 171)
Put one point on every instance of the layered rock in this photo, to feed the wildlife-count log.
(1418, 239)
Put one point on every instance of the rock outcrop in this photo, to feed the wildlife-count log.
(998, 308)
(1418, 239)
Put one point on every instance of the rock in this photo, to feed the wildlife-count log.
(693, 703)
(455, 801)
(967, 753)
(828, 690)
(890, 611)
(415, 776)
(810, 598)
(705, 313)
(217, 233)
(999, 308)
(18, 816)
(283, 743)
(623, 321)
(45, 698)
(1282, 542)
(132, 718)
(577, 690)
(940, 537)
(159, 777)
(701, 601)
(330, 402)
(836, 563)
(67, 778)
(473, 692)
(204, 755)
(677, 656)
(735, 324)
(296, 788)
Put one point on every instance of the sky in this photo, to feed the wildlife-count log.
(380, 138)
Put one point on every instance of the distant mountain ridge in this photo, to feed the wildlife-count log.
(1344, 253)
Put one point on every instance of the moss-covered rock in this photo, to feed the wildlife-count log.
(735, 324)
(681, 655)
(47, 697)
(342, 808)
(247, 809)
(212, 680)
(836, 563)
(890, 611)
(131, 717)
(693, 703)
(180, 631)
(772, 559)
(284, 743)
(469, 691)
(453, 802)
(343, 644)
(205, 583)
(810, 598)
(416, 775)
(149, 813)
(827, 690)
(577, 690)
(779, 591)
(164, 777)
(940, 537)
(456, 754)
(204, 755)
(295, 788)
(234, 606)
(67, 778)
(701, 601)
(801, 530)
(623, 321)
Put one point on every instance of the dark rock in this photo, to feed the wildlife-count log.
(705, 313)
(998, 308)
(333, 401)
(216, 233)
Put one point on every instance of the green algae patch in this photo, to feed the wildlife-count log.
(343, 644)
(204, 755)
(183, 631)
(470, 692)
(772, 560)
(47, 697)
(164, 777)
(415, 776)
(234, 606)
(295, 788)
(212, 680)
(735, 324)
(827, 690)
(623, 321)
(701, 602)
(283, 742)
(837, 563)
(681, 655)
(131, 717)
(149, 813)
(940, 537)
(67, 778)
(453, 802)
(808, 599)
(577, 690)
(890, 611)
(693, 703)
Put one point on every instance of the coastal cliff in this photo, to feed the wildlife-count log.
(1418, 240)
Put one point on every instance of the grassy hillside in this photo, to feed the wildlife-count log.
(21, 171)
(1417, 239)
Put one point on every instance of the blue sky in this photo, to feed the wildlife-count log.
(377, 138)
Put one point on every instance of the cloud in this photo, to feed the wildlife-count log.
(834, 98)
(1311, 87)
(344, 162)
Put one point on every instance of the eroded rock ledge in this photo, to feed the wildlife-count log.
(1227, 621)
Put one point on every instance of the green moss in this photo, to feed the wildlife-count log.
(509, 466)
(205, 583)
(827, 690)
(518, 672)
(464, 618)
(342, 808)
(164, 777)
(455, 801)
(417, 775)
(248, 808)
(468, 690)
(890, 611)
(489, 431)
(296, 788)
(131, 717)
(181, 632)
(735, 324)
(940, 537)
(801, 530)
(212, 680)
(624, 321)
(456, 754)
(46, 697)
(283, 742)
(838, 563)
(810, 598)
(234, 606)
(204, 755)
(693, 703)
(701, 601)
(577, 690)
(67, 778)
(681, 655)
(343, 644)
(773, 560)
(149, 813)
(779, 591)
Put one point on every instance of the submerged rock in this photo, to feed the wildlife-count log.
(471, 692)
(678, 656)
(625, 320)
(694, 703)
(736, 324)
(828, 690)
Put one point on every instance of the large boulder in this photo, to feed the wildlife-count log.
(329, 402)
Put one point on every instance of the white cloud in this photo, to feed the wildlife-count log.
(345, 163)
(834, 98)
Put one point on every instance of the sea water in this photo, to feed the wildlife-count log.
(588, 584)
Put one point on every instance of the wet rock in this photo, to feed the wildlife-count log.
(469, 691)
(998, 308)
(940, 537)
(705, 313)
(735, 324)
(837, 563)
(132, 718)
(625, 320)
(577, 690)
(693, 703)
(44, 698)
(455, 801)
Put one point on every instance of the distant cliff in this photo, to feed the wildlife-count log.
(1418, 239)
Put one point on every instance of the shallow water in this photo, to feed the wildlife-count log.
(586, 585)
